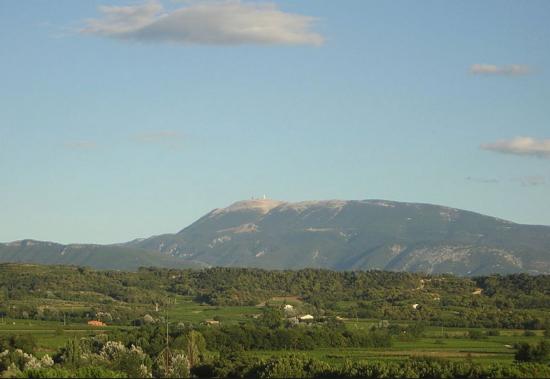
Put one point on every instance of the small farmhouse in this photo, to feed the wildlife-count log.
(96, 323)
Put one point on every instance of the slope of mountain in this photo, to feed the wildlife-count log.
(96, 256)
(340, 235)
(357, 235)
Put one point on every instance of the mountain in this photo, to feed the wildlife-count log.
(96, 256)
(335, 234)
(357, 235)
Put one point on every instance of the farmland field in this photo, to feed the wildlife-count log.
(447, 342)
(229, 321)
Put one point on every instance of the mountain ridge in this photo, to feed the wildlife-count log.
(373, 234)
(115, 257)
(331, 234)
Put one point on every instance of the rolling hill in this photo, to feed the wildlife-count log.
(111, 257)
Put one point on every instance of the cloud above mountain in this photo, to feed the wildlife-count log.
(232, 22)
(491, 69)
(526, 146)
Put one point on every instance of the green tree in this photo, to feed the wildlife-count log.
(72, 352)
(293, 366)
(272, 317)
(196, 346)
(533, 353)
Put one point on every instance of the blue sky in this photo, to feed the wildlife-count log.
(113, 127)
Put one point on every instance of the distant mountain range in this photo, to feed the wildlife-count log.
(113, 257)
(335, 234)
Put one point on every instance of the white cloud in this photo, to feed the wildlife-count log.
(491, 69)
(521, 146)
(231, 22)
(532, 181)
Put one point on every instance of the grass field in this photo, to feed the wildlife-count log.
(187, 311)
(492, 349)
(50, 335)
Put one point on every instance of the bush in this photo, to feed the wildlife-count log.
(476, 334)
(533, 353)
(293, 366)
(230, 366)
(25, 342)
(84, 372)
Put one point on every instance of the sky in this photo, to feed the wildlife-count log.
(121, 120)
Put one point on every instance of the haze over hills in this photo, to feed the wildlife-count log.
(334, 234)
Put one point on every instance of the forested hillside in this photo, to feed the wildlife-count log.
(514, 301)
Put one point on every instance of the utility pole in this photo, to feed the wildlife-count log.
(165, 355)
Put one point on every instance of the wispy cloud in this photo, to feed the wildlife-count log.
(80, 145)
(230, 22)
(527, 146)
(482, 180)
(531, 181)
(167, 138)
(508, 70)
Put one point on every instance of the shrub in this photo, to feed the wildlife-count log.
(293, 366)
(533, 353)
(25, 342)
(476, 334)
